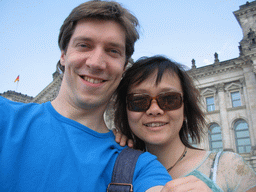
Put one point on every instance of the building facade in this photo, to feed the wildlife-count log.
(228, 90)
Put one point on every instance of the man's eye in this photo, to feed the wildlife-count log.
(82, 45)
(114, 52)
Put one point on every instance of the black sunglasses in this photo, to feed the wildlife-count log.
(166, 101)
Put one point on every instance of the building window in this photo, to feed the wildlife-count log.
(215, 137)
(243, 143)
(210, 104)
(236, 99)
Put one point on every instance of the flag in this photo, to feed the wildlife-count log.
(17, 79)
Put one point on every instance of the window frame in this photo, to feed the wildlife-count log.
(211, 105)
(232, 99)
(211, 127)
(237, 139)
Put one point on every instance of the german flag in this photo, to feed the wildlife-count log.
(17, 79)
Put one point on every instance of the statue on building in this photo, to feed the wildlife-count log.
(216, 60)
(251, 36)
(193, 64)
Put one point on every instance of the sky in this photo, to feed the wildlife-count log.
(182, 30)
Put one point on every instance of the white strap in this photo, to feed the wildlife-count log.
(215, 167)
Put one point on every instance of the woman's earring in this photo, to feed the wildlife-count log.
(186, 122)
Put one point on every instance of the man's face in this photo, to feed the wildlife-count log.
(94, 63)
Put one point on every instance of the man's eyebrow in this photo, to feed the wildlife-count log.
(82, 39)
(114, 44)
(110, 43)
(118, 45)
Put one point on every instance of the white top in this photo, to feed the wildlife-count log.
(225, 171)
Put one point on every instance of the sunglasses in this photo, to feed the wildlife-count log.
(166, 101)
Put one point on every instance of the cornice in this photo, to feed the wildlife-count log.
(19, 97)
(9, 93)
(244, 9)
(222, 67)
(247, 56)
(243, 12)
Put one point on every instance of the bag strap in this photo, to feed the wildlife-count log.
(122, 175)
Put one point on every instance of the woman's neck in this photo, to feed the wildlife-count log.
(167, 154)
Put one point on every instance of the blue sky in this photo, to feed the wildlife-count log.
(181, 30)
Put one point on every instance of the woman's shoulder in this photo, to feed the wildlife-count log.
(234, 162)
(224, 157)
(228, 169)
(230, 158)
(237, 172)
(216, 160)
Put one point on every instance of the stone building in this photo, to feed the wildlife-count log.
(228, 90)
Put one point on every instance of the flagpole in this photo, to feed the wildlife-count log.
(17, 86)
(17, 79)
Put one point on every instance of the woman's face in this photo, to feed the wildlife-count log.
(157, 126)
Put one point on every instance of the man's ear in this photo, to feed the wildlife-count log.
(62, 58)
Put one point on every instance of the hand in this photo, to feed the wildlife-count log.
(189, 183)
(122, 139)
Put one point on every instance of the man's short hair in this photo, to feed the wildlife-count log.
(102, 10)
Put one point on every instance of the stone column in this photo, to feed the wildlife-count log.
(250, 82)
(227, 146)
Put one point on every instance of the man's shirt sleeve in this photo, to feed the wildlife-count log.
(149, 172)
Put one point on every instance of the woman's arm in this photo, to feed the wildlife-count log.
(189, 183)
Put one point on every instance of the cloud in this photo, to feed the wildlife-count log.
(206, 61)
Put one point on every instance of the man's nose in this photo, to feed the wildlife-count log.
(96, 59)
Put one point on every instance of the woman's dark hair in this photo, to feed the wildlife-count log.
(143, 69)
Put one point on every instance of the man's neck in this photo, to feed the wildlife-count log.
(91, 117)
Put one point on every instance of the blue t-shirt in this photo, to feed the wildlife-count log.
(41, 150)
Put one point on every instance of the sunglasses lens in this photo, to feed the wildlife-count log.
(166, 101)
(138, 102)
(169, 101)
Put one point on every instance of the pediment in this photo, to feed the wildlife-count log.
(233, 86)
(208, 91)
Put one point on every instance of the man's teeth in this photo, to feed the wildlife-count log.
(91, 80)
(155, 124)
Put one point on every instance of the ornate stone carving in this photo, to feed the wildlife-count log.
(220, 87)
(216, 59)
(193, 64)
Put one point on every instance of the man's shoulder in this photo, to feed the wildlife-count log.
(8, 105)
(10, 108)
(149, 172)
(145, 158)
(4, 100)
(7, 102)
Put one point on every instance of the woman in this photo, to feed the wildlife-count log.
(157, 106)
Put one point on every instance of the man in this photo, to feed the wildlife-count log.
(65, 145)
